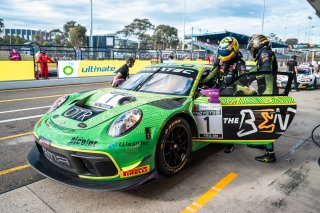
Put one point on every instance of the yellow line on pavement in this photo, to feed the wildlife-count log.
(15, 136)
(38, 88)
(203, 199)
(3, 172)
(32, 98)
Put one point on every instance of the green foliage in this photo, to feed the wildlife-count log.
(165, 37)
(291, 41)
(14, 40)
(137, 28)
(78, 36)
(1, 25)
(67, 26)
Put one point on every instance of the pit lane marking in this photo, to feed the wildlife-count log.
(3, 172)
(38, 88)
(15, 136)
(203, 199)
(32, 98)
(26, 109)
(22, 118)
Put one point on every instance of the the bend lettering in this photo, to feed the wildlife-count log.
(270, 119)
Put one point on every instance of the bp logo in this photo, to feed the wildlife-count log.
(68, 70)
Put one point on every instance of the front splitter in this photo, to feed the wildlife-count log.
(40, 163)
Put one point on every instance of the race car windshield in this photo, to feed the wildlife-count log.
(168, 84)
(304, 71)
(133, 82)
(163, 80)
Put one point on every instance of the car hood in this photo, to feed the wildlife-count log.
(95, 108)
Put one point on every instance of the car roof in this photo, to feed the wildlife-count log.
(183, 65)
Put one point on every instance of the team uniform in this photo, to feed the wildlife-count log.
(43, 60)
(291, 64)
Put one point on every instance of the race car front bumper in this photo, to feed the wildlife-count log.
(40, 163)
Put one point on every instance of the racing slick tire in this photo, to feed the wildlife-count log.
(174, 147)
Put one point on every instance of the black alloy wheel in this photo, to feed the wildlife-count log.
(174, 147)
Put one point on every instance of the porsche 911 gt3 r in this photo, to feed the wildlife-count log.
(116, 139)
(306, 78)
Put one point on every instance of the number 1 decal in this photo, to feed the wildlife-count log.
(208, 124)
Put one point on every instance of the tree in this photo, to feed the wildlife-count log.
(165, 36)
(291, 41)
(78, 36)
(1, 25)
(272, 36)
(138, 28)
(67, 26)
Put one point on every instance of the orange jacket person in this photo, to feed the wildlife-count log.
(43, 59)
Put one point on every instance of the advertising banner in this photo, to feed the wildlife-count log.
(68, 69)
(16, 70)
(86, 68)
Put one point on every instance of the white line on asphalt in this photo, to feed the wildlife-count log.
(19, 110)
(18, 119)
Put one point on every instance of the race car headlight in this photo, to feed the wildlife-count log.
(125, 122)
(58, 103)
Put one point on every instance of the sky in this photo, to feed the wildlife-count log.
(287, 19)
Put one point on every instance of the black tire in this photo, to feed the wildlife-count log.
(315, 135)
(174, 147)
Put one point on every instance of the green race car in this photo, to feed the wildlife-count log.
(117, 139)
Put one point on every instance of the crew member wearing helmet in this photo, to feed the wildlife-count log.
(228, 65)
(123, 72)
(259, 47)
(43, 60)
(266, 61)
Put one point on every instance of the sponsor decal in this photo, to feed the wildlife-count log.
(230, 120)
(98, 69)
(271, 119)
(78, 113)
(82, 142)
(45, 142)
(136, 143)
(55, 157)
(135, 172)
(68, 70)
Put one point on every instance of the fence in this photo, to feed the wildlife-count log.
(26, 52)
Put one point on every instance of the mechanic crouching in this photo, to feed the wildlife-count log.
(225, 69)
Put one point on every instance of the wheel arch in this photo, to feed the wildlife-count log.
(189, 119)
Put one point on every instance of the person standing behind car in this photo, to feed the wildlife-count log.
(123, 71)
(259, 47)
(43, 59)
(292, 66)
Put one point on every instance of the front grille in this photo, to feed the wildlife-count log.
(81, 163)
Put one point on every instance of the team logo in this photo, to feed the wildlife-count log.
(135, 172)
(45, 142)
(68, 70)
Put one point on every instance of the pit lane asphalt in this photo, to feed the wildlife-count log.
(290, 185)
(13, 151)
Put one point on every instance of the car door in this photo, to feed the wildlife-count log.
(245, 116)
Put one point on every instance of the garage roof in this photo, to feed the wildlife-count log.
(242, 39)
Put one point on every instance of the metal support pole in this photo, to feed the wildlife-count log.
(264, 7)
(184, 24)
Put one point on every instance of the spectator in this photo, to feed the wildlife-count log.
(15, 55)
(43, 59)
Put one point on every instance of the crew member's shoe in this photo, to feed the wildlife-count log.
(229, 148)
(267, 158)
(262, 147)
